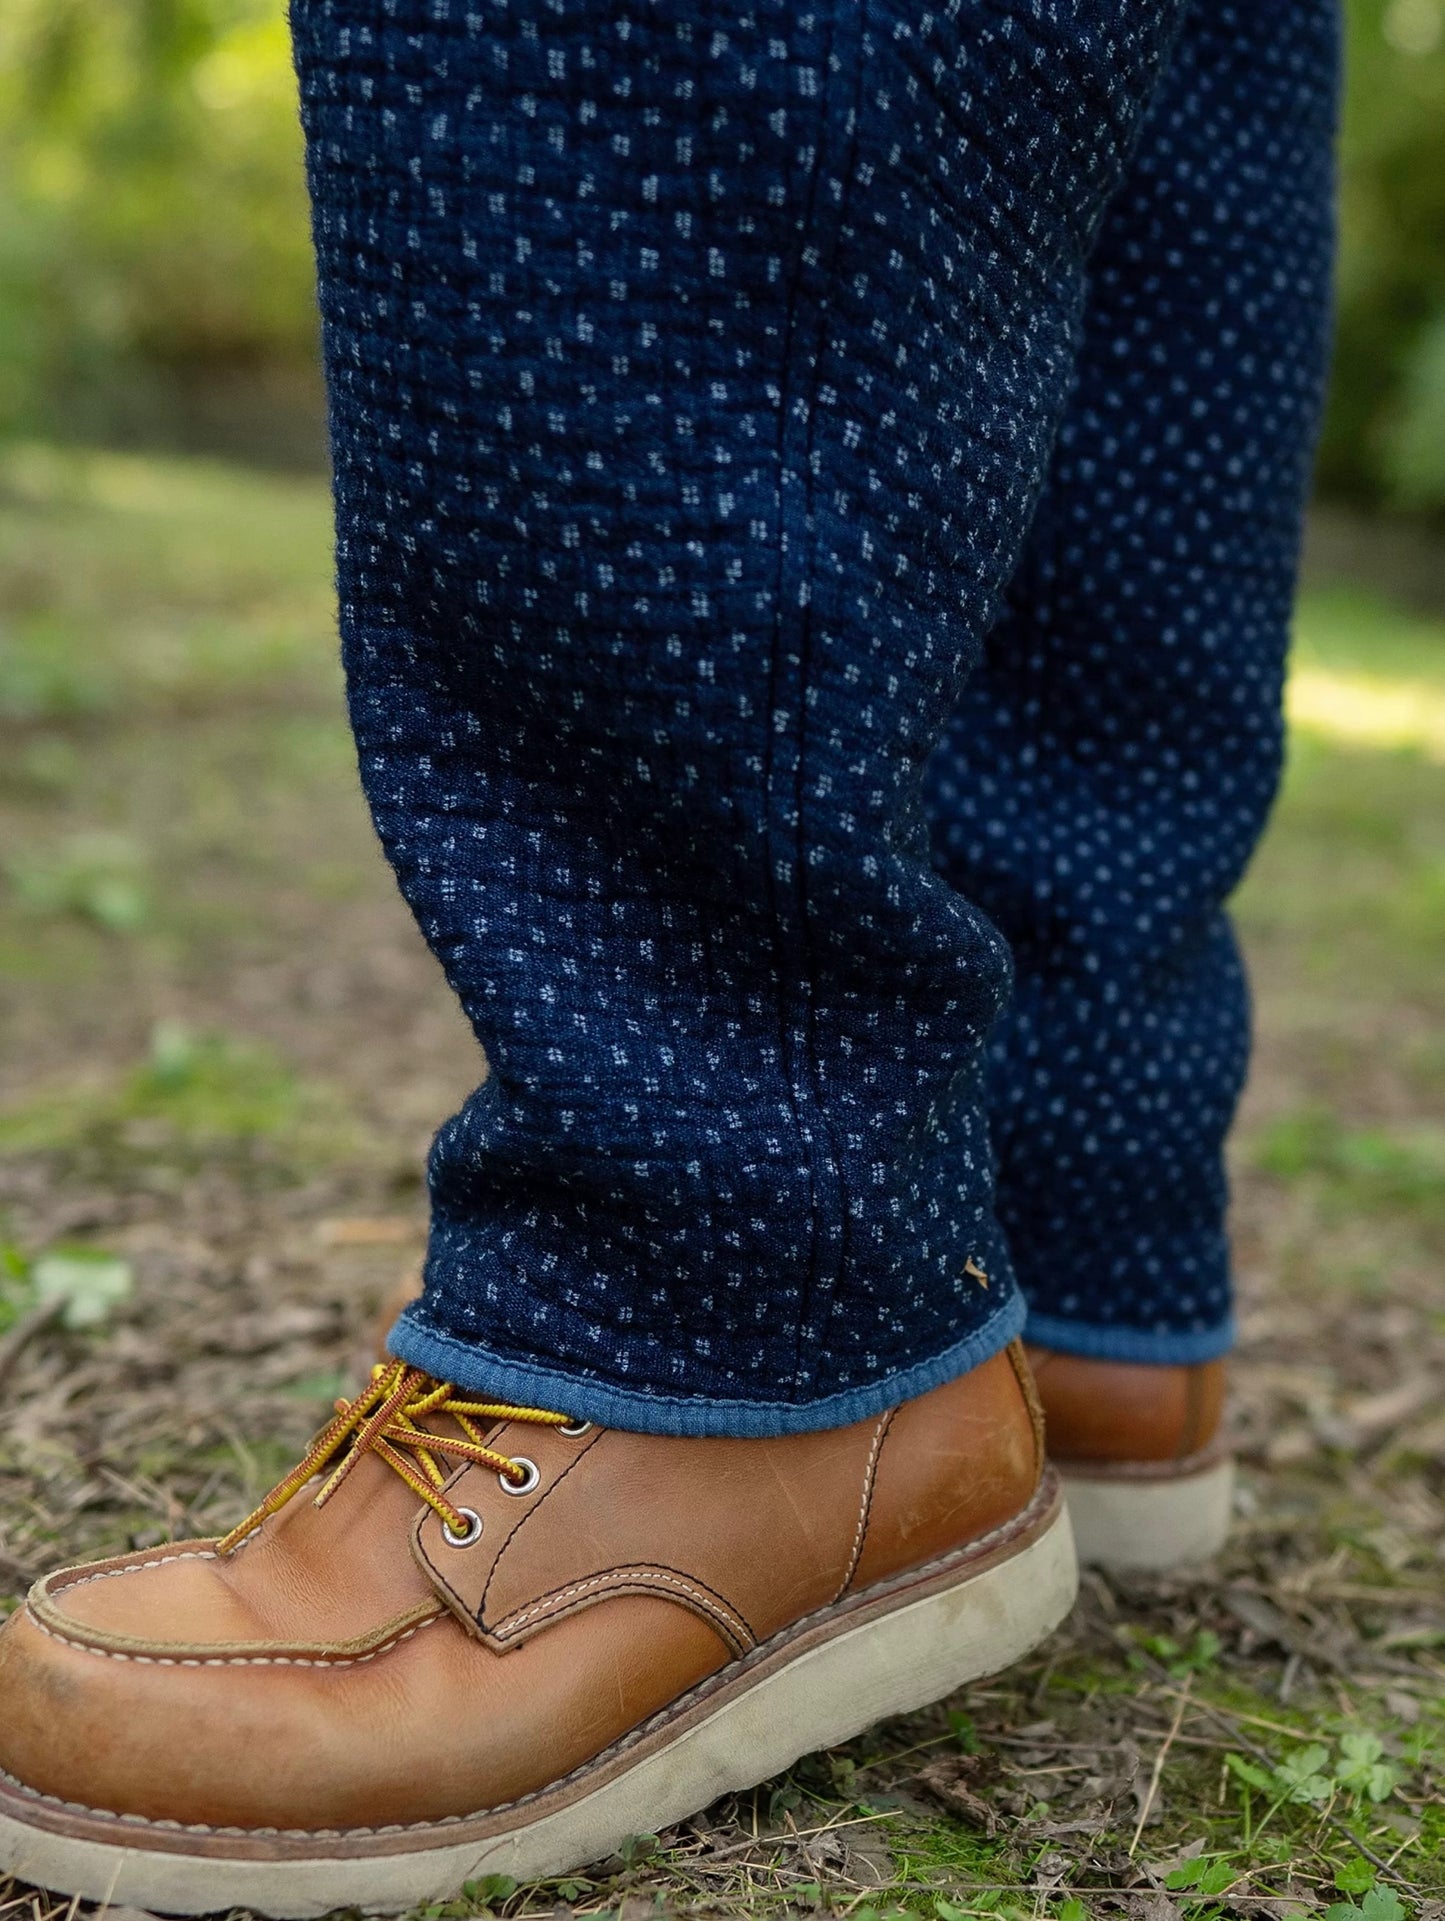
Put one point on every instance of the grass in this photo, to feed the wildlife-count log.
(193, 1096)
(130, 583)
(224, 1049)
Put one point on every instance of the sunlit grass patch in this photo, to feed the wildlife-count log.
(1369, 675)
(1368, 711)
(1350, 881)
(127, 580)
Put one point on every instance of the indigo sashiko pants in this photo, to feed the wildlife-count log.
(818, 487)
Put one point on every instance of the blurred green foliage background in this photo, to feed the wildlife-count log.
(155, 271)
(155, 280)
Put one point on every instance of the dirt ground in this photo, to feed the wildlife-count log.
(225, 1047)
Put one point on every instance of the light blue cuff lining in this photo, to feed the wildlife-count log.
(1130, 1343)
(469, 1365)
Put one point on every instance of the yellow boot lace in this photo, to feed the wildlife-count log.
(385, 1420)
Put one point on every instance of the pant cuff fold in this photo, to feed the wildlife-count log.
(1130, 1343)
(583, 1397)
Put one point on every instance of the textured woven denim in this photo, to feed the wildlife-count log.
(1109, 770)
(705, 384)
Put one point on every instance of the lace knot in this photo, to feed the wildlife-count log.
(385, 1420)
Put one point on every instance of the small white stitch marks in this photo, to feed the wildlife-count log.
(240, 1660)
(738, 1633)
(57, 1583)
(870, 1469)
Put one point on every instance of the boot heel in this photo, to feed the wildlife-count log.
(1129, 1518)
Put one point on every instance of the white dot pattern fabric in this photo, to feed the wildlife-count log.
(695, 374)
(1109, 770)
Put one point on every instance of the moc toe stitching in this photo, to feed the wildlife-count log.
(206, 1659)
(65, 1580)
(45, 1608)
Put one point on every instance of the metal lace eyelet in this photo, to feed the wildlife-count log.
(531, 1474)
(573, 1428)
(473, 1531)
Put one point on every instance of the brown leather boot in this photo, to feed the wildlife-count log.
(490, 1640)
(1149, 1482)
(1149, 1479)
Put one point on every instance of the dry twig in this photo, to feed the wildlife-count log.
(1159, 1760)
(27, 1329)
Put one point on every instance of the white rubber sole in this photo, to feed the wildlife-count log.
(811, 1689)
(1150, 1522)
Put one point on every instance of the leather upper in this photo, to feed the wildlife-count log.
(1126, 1412)
(349, 1666)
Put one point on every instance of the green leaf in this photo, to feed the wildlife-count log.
(1217, 1876)
(116, 904)
(1073, 1910)
(1379, 1904)
(489, 1889)
(1203, 1650)
(961, 1727)
(1186, 1875)
(17, 1294)
(1247, 1772)
(1382, 1904)
(1355, 1875)
(90, 1284)
(784, 1799)
(1362, 1768)
(1300, 1774)
(1210, 1874)
(96, 876)
(174, 1054)
(637, 1848)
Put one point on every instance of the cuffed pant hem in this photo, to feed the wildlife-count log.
(1130, 1343)
(470, 1365)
